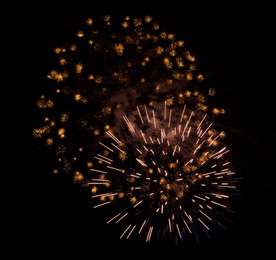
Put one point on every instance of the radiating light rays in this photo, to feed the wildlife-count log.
(176, 178)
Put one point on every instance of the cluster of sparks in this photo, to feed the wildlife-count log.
(126, 115)
(171, 172)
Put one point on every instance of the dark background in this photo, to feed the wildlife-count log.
(231, 42)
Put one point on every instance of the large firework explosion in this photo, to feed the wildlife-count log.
(128, 116)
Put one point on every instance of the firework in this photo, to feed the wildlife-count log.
(169, 171)
(127, 114)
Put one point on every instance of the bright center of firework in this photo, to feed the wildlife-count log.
(167, 166)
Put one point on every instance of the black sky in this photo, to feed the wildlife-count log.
(233, 43)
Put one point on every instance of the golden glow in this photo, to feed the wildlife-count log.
(89, 21)
(162, 180)
(122, 156)
(180, 43)
(159, 50)
(156, 27)
(148, 19)
(61, 132)
(171, 36)
(98, 79)
(43, 103)
(91, 77)
(172, 165)
(167, 62)
(189, 168)
(163, 197)
(125, 24)
(41, 131)
(106, 110)
(103, 198)
(62, 61)
(189, 57)
(107, 18)
(78, 97)
(59, 50)
(133, 200)
(79, 68)
(49, 141)
(137, 22)
(78, 176)
(169, 101)
(121, 195)
(94, 190)
(80, 34)
(216, 111)
(119, 49)
(73, 47)
(200, 77)
(214, 143)
(211, 92)
(188, 93)
(189, 76)
(131, 180)
(55, 171)
(222, 134)
(89, 164)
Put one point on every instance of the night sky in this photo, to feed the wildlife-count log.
(231, 42)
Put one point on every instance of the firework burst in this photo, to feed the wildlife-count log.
(169, 171)
(128, 115)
